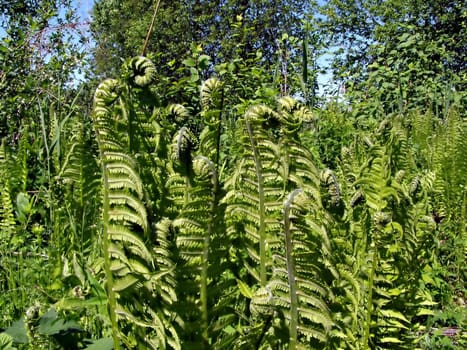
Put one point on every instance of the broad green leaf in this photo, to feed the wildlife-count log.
(18, 331)
(50, 323)
(189, 62)
(101, 344)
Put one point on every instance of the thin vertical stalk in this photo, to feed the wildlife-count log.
(211, 227)
(151, 27)
(262, 207)
(204, 287)
(205, 259)
(112, 304)
(47, 153)
(369, 303)
(293, 326)
(112, 300)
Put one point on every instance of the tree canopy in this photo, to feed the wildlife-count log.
(360, 28)
(120, 27)
(404, 53)
(41, 50)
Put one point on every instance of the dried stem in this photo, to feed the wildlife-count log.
(151, 27)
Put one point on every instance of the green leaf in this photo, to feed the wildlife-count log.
(50, 323)
(78, 270)
(189, 62)
(70, 303)
(124, 283)
(244, 289)
(18, 331)
(194, 75)
(101, 344)
(394, 314)
(425, 312)
(23, 206)
(204, 61)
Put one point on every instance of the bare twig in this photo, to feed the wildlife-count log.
(151, 27)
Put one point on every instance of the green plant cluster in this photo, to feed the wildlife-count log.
(196, 201)
(232, 223)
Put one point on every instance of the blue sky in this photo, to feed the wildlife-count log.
(84, 11)
(84, 8)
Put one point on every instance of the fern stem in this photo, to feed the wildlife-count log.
(262, 208)
(218, 139)
(210, 228)
(205, 274)
(112, 301)
(205, 265)
(207, 243)
(369, 305)
(204, 287)
(112, 304)
(291, 272)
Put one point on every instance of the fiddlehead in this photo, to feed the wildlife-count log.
(329, 181)
(139, 71)
(183, 144)
(298, 164)
(178, 113)
(212, 105)
(212, 92)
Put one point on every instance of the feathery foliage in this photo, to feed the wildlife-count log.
(223, 227)
(129, 263)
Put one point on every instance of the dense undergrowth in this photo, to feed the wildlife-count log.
(225, 223)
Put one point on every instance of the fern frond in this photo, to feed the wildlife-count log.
(139, 71)
(106, 94)
(294, 283)
(386, 240)
(329, 180)
(132, 278)
(179, 113)
(119, 167)
(128, 281)
(183, 144)
(196, 230)
(132, 241)
(211, 95)
(7, 217)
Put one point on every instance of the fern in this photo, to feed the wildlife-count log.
(254, 193)
(212, 104)
(390, 240)
(274, 162)
(298, 163)
(297, 284)
(77, 182)
(195, 225)
(7, 217)
(194, 190)
(129, 263)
